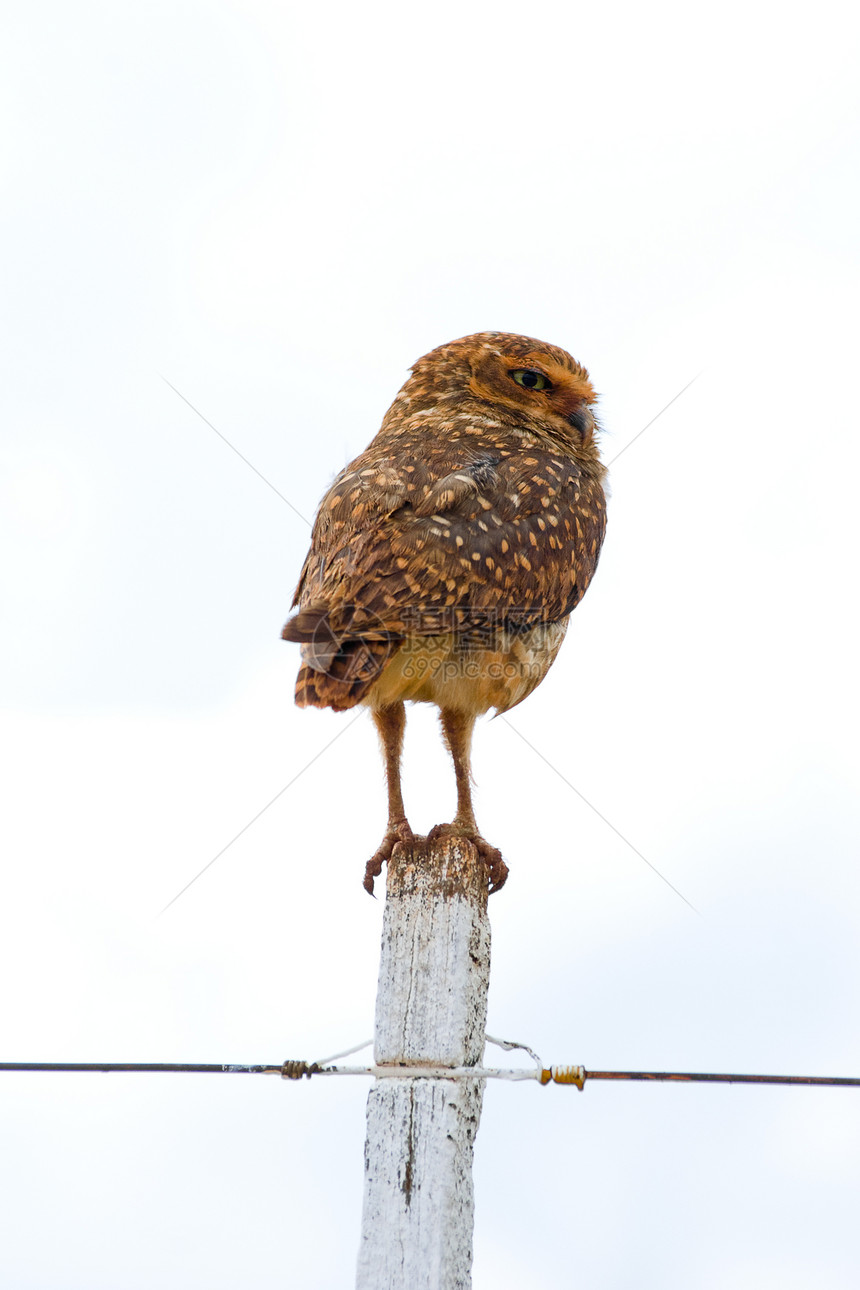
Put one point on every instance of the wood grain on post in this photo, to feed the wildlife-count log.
(431, 1009)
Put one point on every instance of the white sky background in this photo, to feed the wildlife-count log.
(278, 208)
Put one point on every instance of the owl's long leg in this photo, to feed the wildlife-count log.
(390, 723)
(457, 728)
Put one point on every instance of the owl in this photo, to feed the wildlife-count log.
(447, 558)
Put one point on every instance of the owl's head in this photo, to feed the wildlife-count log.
(523, 380)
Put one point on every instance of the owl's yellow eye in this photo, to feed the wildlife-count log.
(529, 379)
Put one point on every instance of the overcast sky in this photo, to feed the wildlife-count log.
(277, 208)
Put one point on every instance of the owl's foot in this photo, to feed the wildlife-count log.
(397, 831)
(497, 870)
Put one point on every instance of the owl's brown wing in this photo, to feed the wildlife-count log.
(509, 539)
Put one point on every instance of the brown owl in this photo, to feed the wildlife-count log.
(447, 558)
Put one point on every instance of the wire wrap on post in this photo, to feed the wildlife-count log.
(565, 1075)
(296, 1070)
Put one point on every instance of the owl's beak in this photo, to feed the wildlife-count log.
(580, 420)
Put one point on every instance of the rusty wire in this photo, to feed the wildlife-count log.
(296, 1070)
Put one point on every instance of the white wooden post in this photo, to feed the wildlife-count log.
(431, 1009)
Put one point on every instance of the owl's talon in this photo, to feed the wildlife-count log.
(497, 870)
(397, 832)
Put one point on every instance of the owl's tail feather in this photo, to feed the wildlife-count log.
(314, 690)
(337, 668)
(347, 677)
(307, 623)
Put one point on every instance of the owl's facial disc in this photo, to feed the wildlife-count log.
(538, 385)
